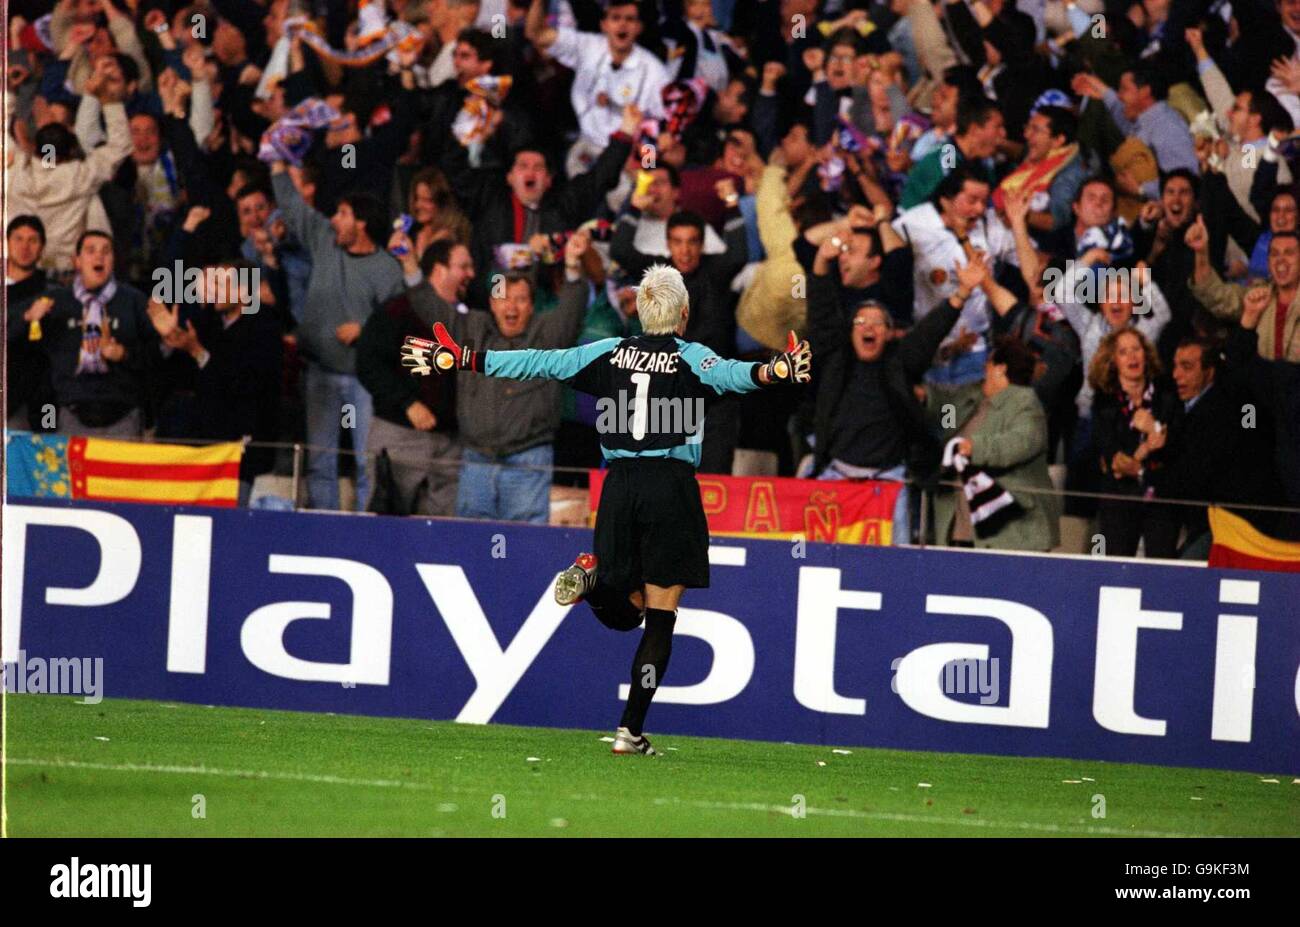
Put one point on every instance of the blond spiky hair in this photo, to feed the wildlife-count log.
(660, 299)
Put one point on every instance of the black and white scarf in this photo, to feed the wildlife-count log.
(991, 506)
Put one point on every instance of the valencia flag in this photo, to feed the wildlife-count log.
(69, 467)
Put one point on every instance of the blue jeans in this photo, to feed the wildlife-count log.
(514, 488)
(326, 394)
(901, 530)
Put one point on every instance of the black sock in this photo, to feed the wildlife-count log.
(649, 666)
(612, 608)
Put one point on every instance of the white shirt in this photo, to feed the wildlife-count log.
(936, 251)
(638, 80)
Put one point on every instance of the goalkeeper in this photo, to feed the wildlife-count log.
(651, 537)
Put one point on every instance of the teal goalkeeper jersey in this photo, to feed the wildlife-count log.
(652, 391)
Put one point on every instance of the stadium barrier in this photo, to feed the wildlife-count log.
(908, 648)
(757, 503)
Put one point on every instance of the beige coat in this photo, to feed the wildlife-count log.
(65, 195)
(774, 302)
(1223, 300)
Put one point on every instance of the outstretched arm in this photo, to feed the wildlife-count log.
(539, 364)
(793, 365)
(444, 355)
(575, 365)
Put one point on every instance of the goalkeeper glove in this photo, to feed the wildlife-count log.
(442, 355)
(794, 365)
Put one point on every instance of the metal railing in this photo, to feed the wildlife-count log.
(298, 450)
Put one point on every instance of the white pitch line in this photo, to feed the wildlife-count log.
(228, 773)
(1079, 829)
(788, 810)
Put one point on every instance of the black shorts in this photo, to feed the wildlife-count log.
(650, 527)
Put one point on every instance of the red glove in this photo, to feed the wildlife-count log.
(442, 355)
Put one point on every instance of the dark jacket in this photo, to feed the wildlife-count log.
(379, 366)
(237, 392)
(1273, 387)
(1112, 433)
(1177, 262)
(371, 170)
(490, 203)
(444, 103)
(1263, 40)
(1221, 461)
(906, 359)
(1012, 33)
(712, 320)
(125, 384)
(500, 417)
(26, 367)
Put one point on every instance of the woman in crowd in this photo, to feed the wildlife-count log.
(1136, 418)
(434, 211)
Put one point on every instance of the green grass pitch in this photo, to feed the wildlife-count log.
(135, 768)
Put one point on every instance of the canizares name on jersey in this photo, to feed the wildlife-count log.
(657, 371)
(647, 361)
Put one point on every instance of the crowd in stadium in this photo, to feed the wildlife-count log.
(1015, 234)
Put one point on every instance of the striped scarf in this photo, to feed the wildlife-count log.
(484, 95)
(94, 322)
(991, 506)
(376, 37)
(290, 136)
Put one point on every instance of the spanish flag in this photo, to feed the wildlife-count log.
(1239, 545)
(62, 467)
(780, 508)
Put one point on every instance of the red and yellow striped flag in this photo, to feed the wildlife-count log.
(840, 511)
(1239, 545)
(53, 466)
